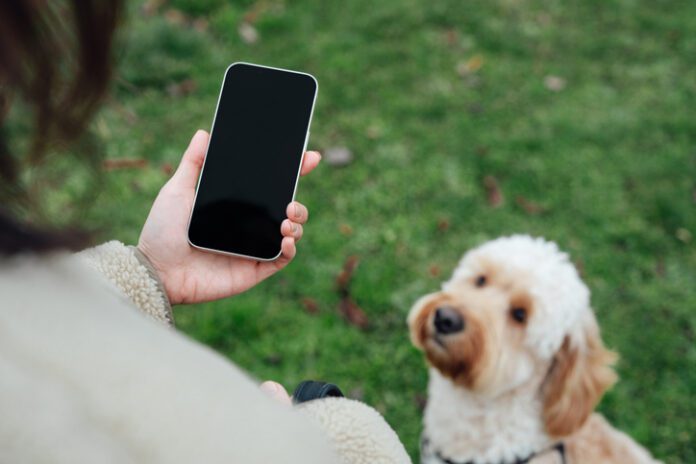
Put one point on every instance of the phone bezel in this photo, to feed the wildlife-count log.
(299, 168)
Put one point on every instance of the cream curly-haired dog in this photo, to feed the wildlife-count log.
(517, 362)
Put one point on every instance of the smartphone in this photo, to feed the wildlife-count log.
(252, 165)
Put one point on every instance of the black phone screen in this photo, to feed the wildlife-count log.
(253, 160)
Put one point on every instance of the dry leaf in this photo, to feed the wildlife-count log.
(470, 66)
(345, 229)
(493, 192)
(353, 313)
(274, 359)
(124, 163)
(434, 270)
(529, 206)
(443, 224)
(174, 16)
(167, 169)
(183, 88)
(451, 37)
(346, 275)
(554, 83)
(350, 310)
(338, 156)
(310, 305)
(150, 7)
(200, 24)
(248, 33)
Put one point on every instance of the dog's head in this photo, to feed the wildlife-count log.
(515, 314)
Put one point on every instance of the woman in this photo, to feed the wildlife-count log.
(84, 375)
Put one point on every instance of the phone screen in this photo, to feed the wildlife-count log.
(253, 160)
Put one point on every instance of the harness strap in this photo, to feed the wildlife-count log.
(558, 447)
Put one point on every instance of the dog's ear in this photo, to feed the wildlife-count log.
(580, 374)
(417, 318)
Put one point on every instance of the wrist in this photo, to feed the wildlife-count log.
(155, 274)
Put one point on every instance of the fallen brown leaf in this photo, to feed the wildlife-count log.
(167, 169)
(353, 313)
(451, 37)
(346, 275)
(200, 24)
(274, 359)
(347, 307)
(470, 66)
(150, 7)
(529, 206)
(443, 224)
(124, 163)
(434, 270)
(310, 305)
(345, 229)
(493, 192)
(176, 17)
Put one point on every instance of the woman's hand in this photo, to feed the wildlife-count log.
(190, 275)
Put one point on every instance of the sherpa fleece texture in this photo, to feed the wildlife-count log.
(359, 433)
(130, 271)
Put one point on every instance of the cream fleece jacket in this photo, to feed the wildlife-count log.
(86, 377)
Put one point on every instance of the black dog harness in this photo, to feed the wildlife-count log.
(558, 447)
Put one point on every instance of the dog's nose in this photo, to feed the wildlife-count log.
(448, 320)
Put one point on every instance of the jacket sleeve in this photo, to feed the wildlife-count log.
(132, 273)
(357, 432)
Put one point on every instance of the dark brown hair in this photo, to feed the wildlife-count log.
(56, 60)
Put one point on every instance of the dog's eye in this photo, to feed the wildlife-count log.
(481, 281)
(519, 314)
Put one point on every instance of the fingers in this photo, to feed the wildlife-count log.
(297, 212)
(291, 229)
(288, 250)
(186, 175)
(311, 161)
(276, 392)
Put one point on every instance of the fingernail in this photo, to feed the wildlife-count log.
(294, 228)
(297, 210)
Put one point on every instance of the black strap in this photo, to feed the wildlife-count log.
(559, 447)
(311, 390)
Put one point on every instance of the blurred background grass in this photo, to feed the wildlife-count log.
(465, 121)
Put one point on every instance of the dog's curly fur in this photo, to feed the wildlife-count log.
(529, 366)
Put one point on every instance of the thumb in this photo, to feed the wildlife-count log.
(186, 175)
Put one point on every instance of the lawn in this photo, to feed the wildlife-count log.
(466, 121)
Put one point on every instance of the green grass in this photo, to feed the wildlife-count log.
(610, 158)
